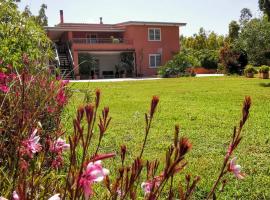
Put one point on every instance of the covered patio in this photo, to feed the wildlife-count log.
(106, 64)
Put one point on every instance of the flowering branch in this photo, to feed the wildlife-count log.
(236, 139)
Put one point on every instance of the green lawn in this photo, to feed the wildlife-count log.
(206, 109)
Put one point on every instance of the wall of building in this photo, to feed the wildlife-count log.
(167, 47)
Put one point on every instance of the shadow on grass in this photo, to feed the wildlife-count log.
(265, 84)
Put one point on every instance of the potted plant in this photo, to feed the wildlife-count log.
(126, 64)
(264, 72)
(249, 71)
(87, 66)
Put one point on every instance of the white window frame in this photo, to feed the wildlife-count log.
(151, 55)
(149, 39)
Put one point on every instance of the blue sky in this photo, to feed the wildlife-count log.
(214, 15)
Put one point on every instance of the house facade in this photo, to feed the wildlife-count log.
(100, 50)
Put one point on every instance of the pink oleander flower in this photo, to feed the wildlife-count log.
(4, 88)
(33, 142)
(64, 83)
(51, 109)
(3, 76)
(61, 98)
(94, 173)
(236, 169)
(55, 197)
(3, 198)
(148, 185)
(57, 162)
(31, 145)
(15, 196)
(59, 146)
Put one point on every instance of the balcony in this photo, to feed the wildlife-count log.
(102, 44)
(101, 41)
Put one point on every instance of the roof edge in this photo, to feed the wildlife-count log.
(151, 23)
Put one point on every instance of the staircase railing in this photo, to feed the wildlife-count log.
(57, 56)
(70, 57)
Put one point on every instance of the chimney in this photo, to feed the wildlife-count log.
(61, 16)
(100, 20)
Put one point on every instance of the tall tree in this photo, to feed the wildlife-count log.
(27, 12)
(255, 40)
(245, 16)
(42, 19)
(264, 6)
(233, 31)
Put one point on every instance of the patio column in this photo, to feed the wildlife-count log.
(76, 64)
(70, 36)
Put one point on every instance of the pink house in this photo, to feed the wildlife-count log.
(133, 48)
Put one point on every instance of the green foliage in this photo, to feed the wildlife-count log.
(126, 62)
(250, 69)
(264, 69)
(42, 19)
(245, 16)
(20, 34)
(87, 63)
(207, 58)
(255, 40)
(234, 29)
(264, 6)
(203, 40)
(204, 47)
(178, 65)
(232, 60)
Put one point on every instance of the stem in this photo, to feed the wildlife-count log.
(146, 135)
(222, 173)
(85, 148)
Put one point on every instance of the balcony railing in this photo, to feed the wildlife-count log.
(101, 41)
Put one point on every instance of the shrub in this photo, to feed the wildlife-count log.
(264, 69)
(27, 101)
(233, 60)
(178, 65)
(250, 69)
(87, 63)
(20, 34)
(208, 58)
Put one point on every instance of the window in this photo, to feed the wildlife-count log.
(154, 34)
(154, 60)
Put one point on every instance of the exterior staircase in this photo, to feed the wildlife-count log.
(65, 62)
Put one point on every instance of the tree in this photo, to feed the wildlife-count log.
(233, 61)
(245, 16)
(264, 6)
(42, 19)
(254, 39)
(233, 31)
(27, 12)
(20, 35)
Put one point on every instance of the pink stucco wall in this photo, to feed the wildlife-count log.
(168, 46)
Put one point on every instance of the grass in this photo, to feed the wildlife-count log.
(206, 109)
